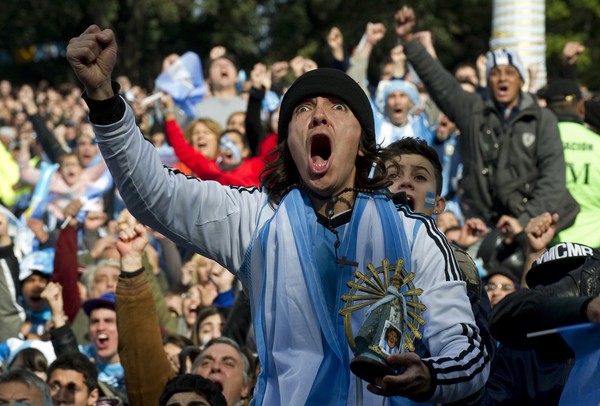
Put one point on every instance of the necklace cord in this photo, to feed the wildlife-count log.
(332, 200)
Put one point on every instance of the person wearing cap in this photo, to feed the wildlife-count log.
(397, 106)
(321, 214)
(571, 52)
(23, 312)
(581, 146)
(34, 274)
(563, 291)
(398, 113)
(513, 158)
(103, 336)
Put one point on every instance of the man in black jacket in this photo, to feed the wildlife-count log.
(564, 291)
(513, 156)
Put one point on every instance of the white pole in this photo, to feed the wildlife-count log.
(521, 25)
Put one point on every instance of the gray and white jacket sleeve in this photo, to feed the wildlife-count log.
(214, 220)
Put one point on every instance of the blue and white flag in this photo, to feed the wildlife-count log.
(92, 195)
(22, 236)
(271, 101)
(184, 82)
(583, 385)
(39, 198)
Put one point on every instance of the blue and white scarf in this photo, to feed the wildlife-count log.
(304, 353)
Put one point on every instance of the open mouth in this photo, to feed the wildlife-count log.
(502, 90)
(35, 299)
(191, 311)
(102, 341)
(218, 385)
(320, 152)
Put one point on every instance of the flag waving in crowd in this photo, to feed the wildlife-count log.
(39, 199)
(582, 385)
(184, 82)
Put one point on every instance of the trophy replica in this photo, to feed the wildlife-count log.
(392, 320)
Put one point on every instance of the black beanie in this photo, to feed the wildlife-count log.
(560, 90)
(327, 82)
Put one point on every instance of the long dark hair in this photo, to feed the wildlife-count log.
(203, 315)
(281, 174)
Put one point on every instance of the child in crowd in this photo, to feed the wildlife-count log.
(416, 171)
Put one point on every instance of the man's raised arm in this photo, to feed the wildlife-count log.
(92, 56)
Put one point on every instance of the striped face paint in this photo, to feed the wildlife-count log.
(227, 144)
(429, 200)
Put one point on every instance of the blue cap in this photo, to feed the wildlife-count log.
(106, 301)
(387, 87)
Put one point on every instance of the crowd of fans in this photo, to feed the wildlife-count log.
(64, 229)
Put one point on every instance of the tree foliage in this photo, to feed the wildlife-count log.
(574, 20)
(265, 30)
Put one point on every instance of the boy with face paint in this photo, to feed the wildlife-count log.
(296, 241)
(416, 171)
(35, 272)
(414, 168)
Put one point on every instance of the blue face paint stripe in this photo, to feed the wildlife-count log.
(429, 200)
(227, 143)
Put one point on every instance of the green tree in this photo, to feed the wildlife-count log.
(574, 20)
(266, 30)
